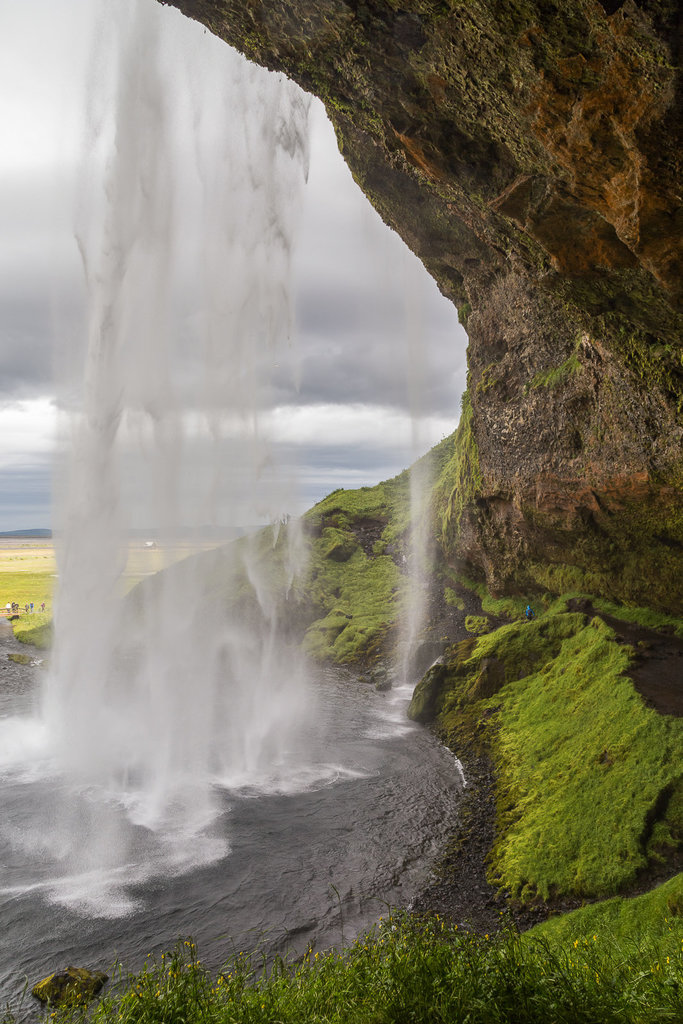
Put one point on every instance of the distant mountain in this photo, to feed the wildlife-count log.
(26, 533)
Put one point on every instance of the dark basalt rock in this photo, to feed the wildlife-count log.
(424, 702)
(529, 153)
(73, 985)
(381, 680)
(490, 680)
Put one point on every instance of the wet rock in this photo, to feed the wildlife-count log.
(423, 704)
(381, 680)
(72, 985)
(490, 679)
(25, 659)
(424, 655)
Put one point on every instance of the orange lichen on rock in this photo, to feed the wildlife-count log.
(415, 154)
(590, 117)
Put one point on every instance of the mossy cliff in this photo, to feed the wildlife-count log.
(529, 152)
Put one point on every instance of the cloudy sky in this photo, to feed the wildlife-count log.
(379, 357)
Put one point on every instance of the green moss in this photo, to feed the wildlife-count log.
(36, 629)
(464, 310)
(488, 378)
(477, 624)
(645, 617)
(440, 681)
(453, 599)
(460, 480)
(355, 591)
(558, 374)
(588, 787)
(501, 607)
(339, 544)
(633, 557)
(364, 593)
(582, 763)
(657, 363)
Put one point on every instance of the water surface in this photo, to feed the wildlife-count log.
(308, 857)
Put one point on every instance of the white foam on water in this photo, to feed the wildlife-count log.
(391, 717)
(307, 778)
(24, 748)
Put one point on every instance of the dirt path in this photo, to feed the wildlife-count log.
(657, 671)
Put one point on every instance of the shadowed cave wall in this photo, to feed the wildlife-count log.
(528, 151)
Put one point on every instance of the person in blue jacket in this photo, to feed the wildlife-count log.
(529, 612)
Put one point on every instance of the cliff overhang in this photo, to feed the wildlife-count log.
(528, 151)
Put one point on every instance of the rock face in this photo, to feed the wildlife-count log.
(529, 152)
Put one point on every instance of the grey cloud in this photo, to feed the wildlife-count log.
(26, 357)
(319, 470)
(358, 350)
(26, 497)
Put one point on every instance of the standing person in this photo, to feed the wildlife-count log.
(529, 613)
(31, 607)
(42, 607)
(8, 607)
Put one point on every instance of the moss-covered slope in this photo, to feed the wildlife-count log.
(589, 790)
(337, 580)
(353, 583)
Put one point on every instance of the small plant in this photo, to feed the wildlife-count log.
(410, 969)
(453, 599)
(477, 624)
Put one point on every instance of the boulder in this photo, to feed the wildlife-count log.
(381, 680)
(424, 704)
(72, 985)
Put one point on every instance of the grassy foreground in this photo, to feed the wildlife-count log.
(408, 970)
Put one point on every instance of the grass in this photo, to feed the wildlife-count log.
(35, 629)
(652, 916)
(26, 586)
(407, 970)
(588, 778)
(29, 556)
(28, 573)
(25, 576)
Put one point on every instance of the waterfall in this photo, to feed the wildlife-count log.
(188, 201)
(419, 540)
(164, 703)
